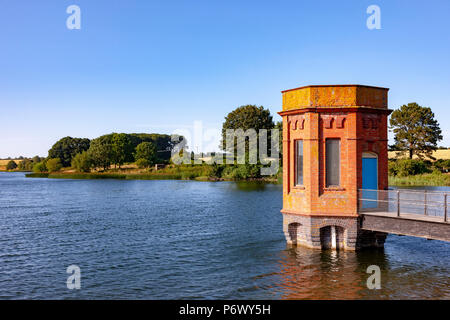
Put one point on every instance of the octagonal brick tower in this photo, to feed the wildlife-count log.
(334, 143)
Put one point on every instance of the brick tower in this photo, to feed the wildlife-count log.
(334, 144)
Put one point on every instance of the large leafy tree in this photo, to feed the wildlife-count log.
(54, 165)
(66, 148)
(245, 118)
(82, 162)
(122, 149)
(147, 151)
(416, 130)
(101, 152)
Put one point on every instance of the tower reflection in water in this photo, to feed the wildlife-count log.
(327, 274)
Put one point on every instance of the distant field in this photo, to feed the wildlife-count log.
(438, 154)
(3, 163)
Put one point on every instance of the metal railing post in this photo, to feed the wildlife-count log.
(425, 203)
(398, 203)
(445, 207)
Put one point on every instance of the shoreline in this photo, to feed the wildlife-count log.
(143, 176)
(426, 180)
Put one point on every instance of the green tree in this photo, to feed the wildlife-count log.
(147, 151)
(416, 130)
(122, 149)
(101, 152)
(37, 159)
(40, 167)
(54, 165)
(164, 143)
(245, 118)
(26, 165)
(66, 148)
(82, 162)
(11, 165)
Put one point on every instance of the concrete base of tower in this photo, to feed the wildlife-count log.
(329, 232)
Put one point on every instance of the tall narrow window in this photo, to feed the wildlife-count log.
(299, 162)
(333, 162)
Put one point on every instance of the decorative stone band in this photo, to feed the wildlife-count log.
(322, 215)
(336, 110)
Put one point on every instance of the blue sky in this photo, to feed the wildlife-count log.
(155, 66)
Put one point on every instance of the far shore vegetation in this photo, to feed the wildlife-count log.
(148, 156)
(415, 159)
(403, 172)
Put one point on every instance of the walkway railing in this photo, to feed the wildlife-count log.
(420, 203)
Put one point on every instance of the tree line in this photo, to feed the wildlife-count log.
(108, 150)
(416, 131)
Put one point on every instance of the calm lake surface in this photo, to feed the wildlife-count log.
(187, 240)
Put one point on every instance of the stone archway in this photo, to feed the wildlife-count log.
(294, 233)
(332, 237)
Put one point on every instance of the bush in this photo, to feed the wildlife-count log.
(408, 167)
(143, 163)
(11, 165)
(188, 176)
(442, 165)
(37, 175)
(248, 171)
(216, 170)
(82, 162)
(54, 165)
(427, 179)
(242, 171)
(40, 167)
(229, 172)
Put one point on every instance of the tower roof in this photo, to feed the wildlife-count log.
(339, 96)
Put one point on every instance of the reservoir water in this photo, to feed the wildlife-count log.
(187, 240)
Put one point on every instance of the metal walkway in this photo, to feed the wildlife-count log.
(417, 213)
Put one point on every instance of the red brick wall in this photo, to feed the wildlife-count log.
(359, 130)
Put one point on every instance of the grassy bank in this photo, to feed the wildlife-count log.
(431, 179)
(183, 172)
(143, 176)
(104, 176)
(427, 179)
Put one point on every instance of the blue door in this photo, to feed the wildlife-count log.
(369, 181)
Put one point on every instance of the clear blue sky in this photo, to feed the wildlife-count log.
(154, 66)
